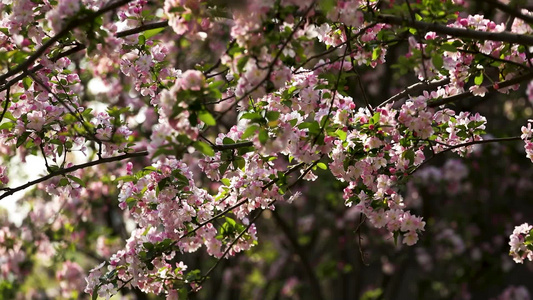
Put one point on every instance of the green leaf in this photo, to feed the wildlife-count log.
(151, 32)
(225, 181)
(126, 178)
(63, 182)
(204, 148)
(250, 131)
(239, 163)
(375, 118)
(216, 84)
(222, 169)
(479, 79)
(263, 136)
(7, 125)
(272, 115)
(131, 202)
(242, 62)
(77, 180)
(228, 141)
(438, 62)
(341, 134)
(327, 5)
(313, 127)
(27, 81)
(448, 47)
(207, 118)
(231, 221)
(375, 53)
(142, 40)
(9, 116)
(410, 155)
(150, 168)
(22, 138)
(254, 116)
(322, 166)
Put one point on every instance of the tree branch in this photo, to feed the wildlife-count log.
(38, 67)
(416, 88)
(508, 37)
(232, 146)
(11, 191)
(510, 10)
(314, 283)
(160, 24)
(450, 148)
(271, 65)
(491, 88)
(73, 24)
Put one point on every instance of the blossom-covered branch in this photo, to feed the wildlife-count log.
(10, 191)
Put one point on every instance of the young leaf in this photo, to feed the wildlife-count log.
(207, 118)
(22, 138)
(204, 148)
(77, 180)
(479, 79)
(250, 131)
(263, 136)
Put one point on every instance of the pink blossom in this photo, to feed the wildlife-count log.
(192, 80)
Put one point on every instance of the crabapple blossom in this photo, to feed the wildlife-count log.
(521, 243)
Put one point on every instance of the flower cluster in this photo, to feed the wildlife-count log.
(526, 136)
(521, 242)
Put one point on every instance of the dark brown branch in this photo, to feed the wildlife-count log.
(416, 88)
(314, 283)
(510, 10)
(507, 37)
(450, 148)
(354, 69)
(335, 88)
(491, 88)
(75, 114)
(161, 24)
(270, 67)
(495, 140)
(38, 67)
(232, 146)
(227, 210)
(504, 61)
(231, 245)
(6, 104)
(11, 191)
(332, 49)
(81, 47)
(73, 24)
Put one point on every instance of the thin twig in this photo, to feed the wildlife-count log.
(354, 69)
(335, 87)
(228, 249)
(271, 65)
